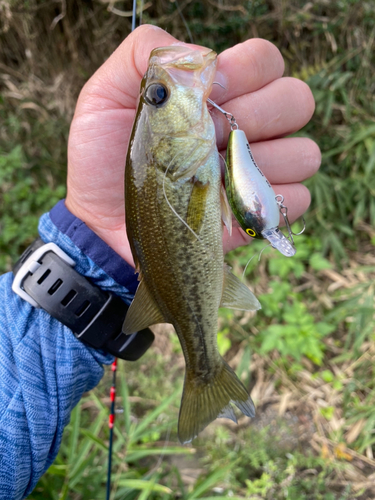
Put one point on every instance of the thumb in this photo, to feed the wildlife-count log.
(116, 83)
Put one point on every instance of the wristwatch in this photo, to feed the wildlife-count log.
(45, 277)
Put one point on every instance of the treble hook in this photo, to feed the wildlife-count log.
(284, 212)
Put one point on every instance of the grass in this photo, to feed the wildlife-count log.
(308, 356)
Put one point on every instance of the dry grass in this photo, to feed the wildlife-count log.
(49, 49)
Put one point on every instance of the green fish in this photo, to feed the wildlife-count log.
(174, 206)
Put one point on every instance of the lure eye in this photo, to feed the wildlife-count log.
(156, 94)
(251, 232)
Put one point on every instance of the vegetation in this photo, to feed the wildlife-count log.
(308, 356)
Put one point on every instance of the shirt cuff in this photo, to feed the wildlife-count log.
(94, 258)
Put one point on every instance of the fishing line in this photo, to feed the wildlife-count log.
(224, 160)
(220, 85)
(134, 17)
(184, 21)
(162, 453)
(231, 119)
(260, 254)
(208, 251)
(170, 205)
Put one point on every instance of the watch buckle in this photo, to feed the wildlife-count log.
(32, 264)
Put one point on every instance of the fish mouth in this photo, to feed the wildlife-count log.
(192, 67)
(183, 57)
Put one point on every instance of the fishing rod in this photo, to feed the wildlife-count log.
(111, 424)
(112, 414)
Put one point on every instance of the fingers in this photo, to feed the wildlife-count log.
(264, 107)
(245, 68)
(280, 108)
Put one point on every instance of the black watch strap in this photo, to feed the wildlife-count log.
(46, 278)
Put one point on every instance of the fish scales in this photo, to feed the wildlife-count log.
(174, 226)
(185, 294)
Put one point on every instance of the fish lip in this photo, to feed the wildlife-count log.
(183, 65)
(183, 57)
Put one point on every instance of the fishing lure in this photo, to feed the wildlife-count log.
(251, 197)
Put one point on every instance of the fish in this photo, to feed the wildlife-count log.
(251, 196)
(175, 205)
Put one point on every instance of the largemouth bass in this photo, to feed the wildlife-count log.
(174, 200)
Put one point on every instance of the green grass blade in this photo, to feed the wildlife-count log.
(141, 484)
(75, 418)
(86, 445)
(209, 482)
(146, 422)
(139, 453)
(95, 439)
(125, 397)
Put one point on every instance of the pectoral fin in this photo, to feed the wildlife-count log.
(197, 206)
(143, 311)
(236, 295)
(226, 212)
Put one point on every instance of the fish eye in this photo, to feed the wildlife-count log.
(156, 94)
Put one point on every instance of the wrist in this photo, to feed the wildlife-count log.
(94, 258)
(45, 278)
(115, 237)
(53, 276)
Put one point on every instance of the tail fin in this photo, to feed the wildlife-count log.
(203, 403)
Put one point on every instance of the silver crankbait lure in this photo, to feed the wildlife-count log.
(250, 195)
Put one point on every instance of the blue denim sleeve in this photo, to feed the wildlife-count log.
(44, 369)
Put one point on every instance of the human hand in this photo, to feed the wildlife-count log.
(266, 106)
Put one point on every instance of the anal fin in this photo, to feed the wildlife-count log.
(143, 311)
(236, 295)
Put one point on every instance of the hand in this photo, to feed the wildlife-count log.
(266, 106)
